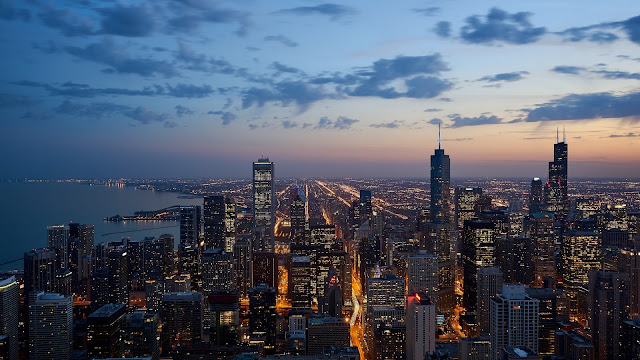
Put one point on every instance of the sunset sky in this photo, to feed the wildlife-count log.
(195, 88)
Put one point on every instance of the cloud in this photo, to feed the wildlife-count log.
(133, 21)
(500, 26)
(388, 125)
(341, 123)
(617, 74)
(434, 121)
(189, 91)
(588, 106)
(573, 70)
(9, 12)
(459, 121)
(442, 29)
(287, 124)
(170, 124)
(430, 11)
(226, 116)
(285, 93)
(253, 126)
(108, 53)
(426, 87)
(36, 115)
(145, 115)
(92, 110)
(12, 100)
(68, 21)
(600, 33)
(189, 15)
(281, 68)
(183, 110)
(624, 135)
(432, 110)
(333, 11)
(281, 39)
(512, 76)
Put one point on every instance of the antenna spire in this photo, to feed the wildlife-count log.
(439, 122)
(557, 135)
(564, 135)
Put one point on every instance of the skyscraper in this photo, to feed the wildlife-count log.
(366, 206)
(139, 332)
(489, 285)
(543, 239)
(421, 327)
(9, 300)
(479, 249)
(262, 314)
(39, 270)
(466, 204)
(297, 213)
(217, 271)
(557, 197)
(514, 320)
(326, 331)
(190, 225)
(103, 326)
(422, 274)
(181, 316)
(440, 187)
(242, 267)
(50, 326)
(536, 199)
(264, 202)
(58, 239)
(214, 225)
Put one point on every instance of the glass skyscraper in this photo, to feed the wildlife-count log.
(263, 205)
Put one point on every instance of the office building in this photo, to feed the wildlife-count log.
(479, 250)
(264, 203)
(265, 268)
(50, 326)
(181, 316)
(490, 282)
(325, 237)
(608, 309)
(536, 197)
(553, 309)
(190, 225)
(514, 320)
(300, 276)
(573, 344)
(630, 345)
(474, 348)
(543, 237)
(387, 290)
(298, 217)
(325, 331)
(581, 253)
(213, 214)
(242, 266)
(189, 263)
(421, 327)
(262, 314)
(365, 206)
(331, 300)
(58, 239)
(39, 270)
(556, 194)
(466, 204)
(9, 313)
(118, 263)
(217, 271)
(224, 317)
(103, 326)
(140, 335)
(389, 343)
(230, 224)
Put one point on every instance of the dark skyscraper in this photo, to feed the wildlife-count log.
(103, 340)
(366, 207)
(556, 189)
(264, 199)
(440, 187)
(189, 225)
(479, 245)
(536, 200)
(214, 225)
(298, 215)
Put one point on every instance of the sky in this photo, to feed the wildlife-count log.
(197, 88)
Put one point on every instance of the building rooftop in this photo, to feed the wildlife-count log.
(107, 310)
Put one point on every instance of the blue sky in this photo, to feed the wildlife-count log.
(195, 88)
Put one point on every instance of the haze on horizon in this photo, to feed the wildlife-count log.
(188, 89)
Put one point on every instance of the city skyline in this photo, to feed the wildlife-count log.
(198, 89)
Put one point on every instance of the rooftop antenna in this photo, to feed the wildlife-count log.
(557, 135)
(564, 135)
(439, 122)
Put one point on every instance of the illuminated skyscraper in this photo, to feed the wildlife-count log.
(543, 239)
(489, 285)
(140, 335)
(440, 187)
(536, 199)
(264, 203)
(9, 312)
(422, 274)
(608, 309)
(217, 271)
(103, 339)
(214, 225)
(39, 270)
(421, 327)
(50, 326)
(181, 319)
(366, 206)
(58, 236)
(466, 204)
(514, 320)
(190, 225)
(557, 197)
(297, 213)
(300, 275)
(479, 250)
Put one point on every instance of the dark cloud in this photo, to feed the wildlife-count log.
(83, 91)
(9, 12)
(624, 135)
(459, 121)
(183, 110)
(574, 70)
(281, 39)
(253, 126)
(588, 106)
(333, 11)
(145, 115)
(432, 110)
(342, 123)
(287, 124)
(617, 74)
(189, 15)
(12, 100)
(226, 116)
(426, 87)
(170, 124)
(92, 110)
(134, 21)
(434, 121)
(388, 125)
(48, 47)
(108, 53)
(600, 33)
(36, 115)
(281, 68)
(68, 21)
(285, 93)
(403, 66)
(500, 26)
(512, 76)
(189, 90)
(430, 11)
(443, 29)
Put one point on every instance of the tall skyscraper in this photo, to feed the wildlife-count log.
(514, 320)
(103, 326)
(262, 314)
(214, 224)
(230, 227)
(264, 203)
(543, 238)
(489, 285)
(440, 187)
(466, 204)
(9, 313)
(608, 309)
(326, 331)
(58, 239)
(118, 265)
(190, 225)
(387, 290)
(479, 249)
(181, 316)
(298, 216)
(242, 267)
(217, 271)
(140, 335)
(421, 327)
(50, 326)
(300, 275)
(557, 197)
(39, 270)
(536, 197)
(422, 274)
(366, 206)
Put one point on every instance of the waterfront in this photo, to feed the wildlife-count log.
(28, 208)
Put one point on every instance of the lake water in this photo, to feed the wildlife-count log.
(26, 209)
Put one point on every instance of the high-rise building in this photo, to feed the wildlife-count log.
(536, 197)
(631, 339)
(39, 270)
(214, 221)
(608, 309)
(181, 316)
(298, 216)
(58, 239)
(543, 238)
(325, 237)
(422, 274)
(514, 258)
(331, 301)
(390, 343)
(300, 275)
(190, 225)
(489, 285)
(262, 314)
(479, 250)
(9, 313)
(80, 245)
(189, 263)
(264, 204)
(553, 309)
(324, 331)
(242, 267)
(365, 206)
(50, 326)
(118, 276)
(217, 271)
(230, 227)
(514, 320)
(224, 317)
(421, 326)
(103, 326)
(474, 348)
(466, 204)
(573, 345)
(556, 193)
(387, 290)
(440, 187)
(265, 268)
(581, 252)
(140, 335)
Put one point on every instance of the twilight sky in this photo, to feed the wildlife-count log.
(197, 88)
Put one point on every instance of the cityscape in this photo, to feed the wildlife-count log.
(343, 269)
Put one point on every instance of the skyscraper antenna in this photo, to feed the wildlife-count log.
(557, 135)
(439, 122)
(564, 135)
